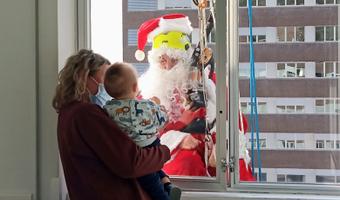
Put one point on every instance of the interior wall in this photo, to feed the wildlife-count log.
(29, 66)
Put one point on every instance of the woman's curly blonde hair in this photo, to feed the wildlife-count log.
(73, 77)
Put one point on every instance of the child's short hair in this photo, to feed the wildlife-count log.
(119, 79)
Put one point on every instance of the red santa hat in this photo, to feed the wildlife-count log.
(153, 27)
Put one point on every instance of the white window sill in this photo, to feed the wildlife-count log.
(252, 196)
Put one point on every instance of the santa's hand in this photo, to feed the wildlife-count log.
(189, 142)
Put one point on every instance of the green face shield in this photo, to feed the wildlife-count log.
(172, 39)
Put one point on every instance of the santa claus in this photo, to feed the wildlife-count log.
(187, 94)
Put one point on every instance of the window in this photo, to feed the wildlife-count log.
(327, 105)
(291, 144)
(289, 2)
(290, 108)
(178, 4)
(261, 107)
(327, 69)
(290, 34)
(295, 178)
(263, 143)
(300, 144)
(244, 3)
(255, 38)
(142, 5)
(337, 144)
(290, 178)
(326, 33)
(327, 2)
(281, 144)
(320, 144)
(132, 37)
(325, 179)
(263, 177)
(281, 178)
(329, 144)
(292, 70)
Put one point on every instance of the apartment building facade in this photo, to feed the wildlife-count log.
(297, 71)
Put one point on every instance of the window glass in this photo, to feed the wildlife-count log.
(325, 179)
(329, 69)
(330, 33)
(300, 33)
(290, 33)
(295, 178)
(319, 69)
(319, 33)
(243, 3)
(280, 2)
(290, 2)
(300, 2)
(261, 38)
(300, 144)
(329, 144)
(329, 1)
(281, 178)
(243, 39)
(261, 2)
(320, 1)
(281, 34)
(320, 144)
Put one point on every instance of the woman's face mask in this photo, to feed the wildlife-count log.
(102, 96)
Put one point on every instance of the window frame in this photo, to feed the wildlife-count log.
(225, 41)
(286, 34)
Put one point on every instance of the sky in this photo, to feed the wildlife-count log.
(106, 28)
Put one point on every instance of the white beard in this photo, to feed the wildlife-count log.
(162, 83)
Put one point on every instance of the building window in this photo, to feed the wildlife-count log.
(290, 34)
(263, 177)
(327, 2)
(290, 178)
(263, 143)
(324, 179)
(290, 70)
(300, 144)
(320, 144)
(289, 2)
(290, 108)
(337, 144)
(329, 144)
(281, 178)
(178, 4)
(132, 37)
(255, 38)
(261, 107)
(244, 3)
(291, 144)
(326, 33)
(327, 69)
(295, 178)
(142, 5)
(327, 105)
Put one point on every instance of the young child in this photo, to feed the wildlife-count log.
(141, 120)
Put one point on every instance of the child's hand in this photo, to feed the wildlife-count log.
(156, 100)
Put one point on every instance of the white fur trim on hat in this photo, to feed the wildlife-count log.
(139, 55)
(165, 25)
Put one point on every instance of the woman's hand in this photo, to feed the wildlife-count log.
(189, 142)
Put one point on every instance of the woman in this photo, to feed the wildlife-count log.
(99, 161)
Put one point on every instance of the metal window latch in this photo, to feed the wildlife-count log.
(230, 164)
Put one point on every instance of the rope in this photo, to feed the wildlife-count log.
(254, 123)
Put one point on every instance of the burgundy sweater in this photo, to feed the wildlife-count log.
(101, 162)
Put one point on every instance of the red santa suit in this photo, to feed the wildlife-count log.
(171, 86)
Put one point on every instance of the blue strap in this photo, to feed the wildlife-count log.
(254, 122)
